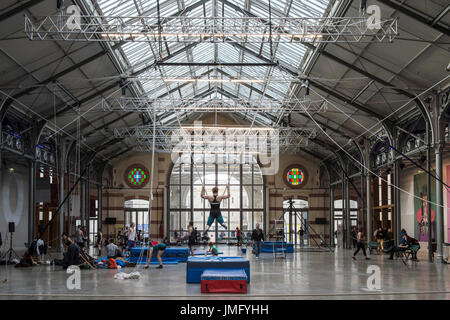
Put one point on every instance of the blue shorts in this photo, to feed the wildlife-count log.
(211, 220)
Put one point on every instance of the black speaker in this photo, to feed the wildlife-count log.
(110, 221)
(321, 221)
(12, 227)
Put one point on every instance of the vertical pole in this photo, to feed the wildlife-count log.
(331, 215)
(362, 200)
(88, 207)
(430, 225)
(348, 231)
(397, 211)
(439, 231)
(61, 194)
(368, 206)
(100, 199)
(344, 227)
(32, 201)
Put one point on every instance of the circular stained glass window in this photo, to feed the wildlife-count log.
(295, 176)
(136, 176)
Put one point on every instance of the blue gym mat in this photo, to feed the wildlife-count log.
(224, 274)
(195, 266)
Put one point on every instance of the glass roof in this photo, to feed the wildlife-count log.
(139, 56)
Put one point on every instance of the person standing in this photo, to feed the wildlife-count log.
(192, 237)
(379, 238)
(257, 239)
(131, 236)
(238, 236)
(360, 245)
(79, 237)
(99, 241)
(301, 233)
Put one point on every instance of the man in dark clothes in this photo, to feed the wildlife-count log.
(72, 255)
(257, 239)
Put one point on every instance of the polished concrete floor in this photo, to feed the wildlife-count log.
(302, 275)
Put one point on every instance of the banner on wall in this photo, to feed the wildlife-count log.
(448, 204)
(420, 207)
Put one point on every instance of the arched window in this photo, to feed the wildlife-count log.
(244, 209)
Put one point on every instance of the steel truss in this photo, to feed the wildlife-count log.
(209, 29)
(232, 140)
(214, 105)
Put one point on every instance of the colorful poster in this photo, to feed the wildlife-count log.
(420, 206)
(448, 203)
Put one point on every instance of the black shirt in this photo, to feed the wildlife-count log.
(257, 235)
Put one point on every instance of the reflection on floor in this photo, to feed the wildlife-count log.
(302, 275)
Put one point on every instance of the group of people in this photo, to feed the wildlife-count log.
(385, 240)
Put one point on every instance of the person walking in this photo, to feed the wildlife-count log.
(360, 245)
(257, 240)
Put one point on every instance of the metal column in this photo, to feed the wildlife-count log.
(331, 216)
(430, 225)
(439, 232)
(32, 201)
(61, 194)
(348, 230)
(397, 211)
(100, 201)
(368, 207)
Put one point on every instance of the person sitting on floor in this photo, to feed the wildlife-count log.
(26, 261)
(112, 250)
(72, 255)
(212, 249)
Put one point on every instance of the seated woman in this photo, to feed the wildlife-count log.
(159, 248)
(401, 247)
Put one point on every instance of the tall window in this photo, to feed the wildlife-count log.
(243, 209)
(338, 215)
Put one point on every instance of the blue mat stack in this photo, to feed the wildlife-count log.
(170, 254)
(268, 246)
(197, 265)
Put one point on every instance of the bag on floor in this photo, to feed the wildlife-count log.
(112, 263)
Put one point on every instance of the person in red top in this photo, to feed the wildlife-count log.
(238, 236)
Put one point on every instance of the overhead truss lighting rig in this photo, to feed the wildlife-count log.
(210, 29)
(217, 139)
(214, 105)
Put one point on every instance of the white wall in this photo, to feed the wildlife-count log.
(14, 207)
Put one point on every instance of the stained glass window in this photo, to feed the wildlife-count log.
(137, 176)
(295, 176)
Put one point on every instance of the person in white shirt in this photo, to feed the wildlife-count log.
(112, 250)
(131, 236)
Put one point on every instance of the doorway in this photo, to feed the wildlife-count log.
(136, 210)
(295, 220)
